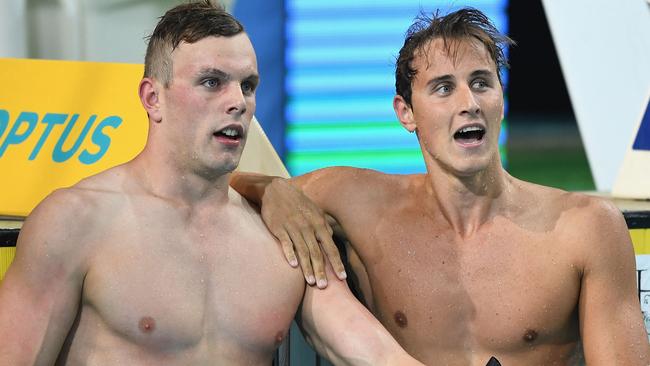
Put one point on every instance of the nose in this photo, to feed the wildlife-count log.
(468, 102)
(235, 100)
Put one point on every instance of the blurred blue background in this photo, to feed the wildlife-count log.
(328, 80)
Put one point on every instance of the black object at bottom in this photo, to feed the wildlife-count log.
(493, 362)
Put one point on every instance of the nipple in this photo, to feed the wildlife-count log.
(530, 335)
(400, 319)
(279, 337)
(147, 324)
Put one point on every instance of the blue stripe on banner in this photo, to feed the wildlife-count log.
(371, 7)
(336, 80)
(340, 82)
(303, 109)
(264, 21)
(381, 138)
(642, 140)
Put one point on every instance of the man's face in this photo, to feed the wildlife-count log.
(210, 102)
(456, 106)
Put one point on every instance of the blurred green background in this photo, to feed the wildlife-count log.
(548, 150)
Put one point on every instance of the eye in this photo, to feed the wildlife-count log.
(248, 87)
(443, 89)
(210, 83)
(479, 84)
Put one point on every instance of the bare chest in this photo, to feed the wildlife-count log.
(162, 284)
(504, 290)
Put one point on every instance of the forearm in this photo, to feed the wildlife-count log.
(359, 344)
(251, 185)
(345, 332)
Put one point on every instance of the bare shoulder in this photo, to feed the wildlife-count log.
(353, 183)
(599, 223)
(111, 180)
(586, 224)
(61, 222)
(589, 214)
(568, 208)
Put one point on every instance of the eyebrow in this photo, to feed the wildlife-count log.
(484, 73)
(220, 74)
(449, 77)
(439, 79)
(212, 72)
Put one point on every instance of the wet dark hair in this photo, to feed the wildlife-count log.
(466, 23)
(188, 23)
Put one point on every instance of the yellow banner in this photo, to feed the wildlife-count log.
(641, 240)
(61, 121)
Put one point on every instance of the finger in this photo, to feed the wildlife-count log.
(331, 223)
(332, 252)
(287, 248)
(316, 256)
(303, 254)
(319, 220)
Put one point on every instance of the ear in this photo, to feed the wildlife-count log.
(503, 110)
(404, 113)
(149, 97)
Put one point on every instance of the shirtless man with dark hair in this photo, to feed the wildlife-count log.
(157, 261)
(466, 262)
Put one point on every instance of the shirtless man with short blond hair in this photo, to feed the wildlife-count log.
(465, 263)
(157, 261)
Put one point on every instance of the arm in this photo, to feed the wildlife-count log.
(611, 326)
(345, 332)
(40, 293)
(295, 221)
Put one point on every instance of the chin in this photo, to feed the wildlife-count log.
(227, 166)
(232, 163)
(216, 168)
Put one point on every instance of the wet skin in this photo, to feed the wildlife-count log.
(466, 262)
(167, 288)
(509, 289)
(157, 261)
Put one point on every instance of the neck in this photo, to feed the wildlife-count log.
(467, 201)
(168, 178)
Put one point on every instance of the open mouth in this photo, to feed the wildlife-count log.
(230, 133)
(470, 135)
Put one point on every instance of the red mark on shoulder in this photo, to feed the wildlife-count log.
(147, 324)
(400, 319)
